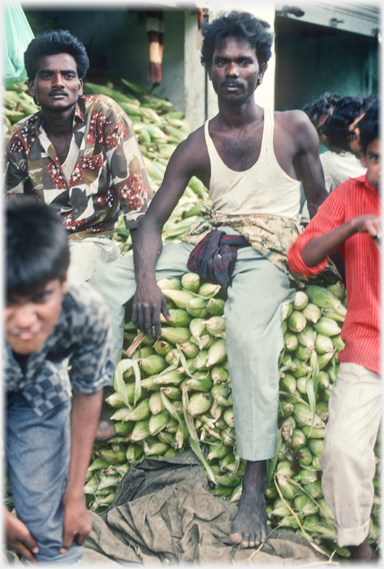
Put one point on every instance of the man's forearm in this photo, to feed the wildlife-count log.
(147, 246)
(317, 249)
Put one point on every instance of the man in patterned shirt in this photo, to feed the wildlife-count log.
(79, 154)
(49, 322)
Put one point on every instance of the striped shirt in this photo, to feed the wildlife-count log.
(361, 329)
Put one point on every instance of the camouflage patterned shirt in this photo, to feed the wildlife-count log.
(108, 176)
(77, 353)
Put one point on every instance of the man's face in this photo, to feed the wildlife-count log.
(29, 320)
(353, 137)
(56, 84)
(235, 71)
(371, 160)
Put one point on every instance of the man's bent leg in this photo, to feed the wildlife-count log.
(254, 342)
(348, 460)
(38, 453)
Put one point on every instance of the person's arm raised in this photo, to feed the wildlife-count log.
(318, 248)
(148, 301)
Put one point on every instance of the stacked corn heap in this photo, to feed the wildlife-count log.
(175, 394)
(159, 128)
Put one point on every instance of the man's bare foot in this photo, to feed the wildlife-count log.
(105, 429)
(249, 528)
(363, 552)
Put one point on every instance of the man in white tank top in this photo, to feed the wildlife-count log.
(273, 151)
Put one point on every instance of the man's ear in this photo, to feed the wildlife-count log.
(208, 68)
(81, 88)
(263, 68)
(31, 87)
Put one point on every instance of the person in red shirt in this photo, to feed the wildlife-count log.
(350, 219)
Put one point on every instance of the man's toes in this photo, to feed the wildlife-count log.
(252, 540)
(245, 540)
(235, 537)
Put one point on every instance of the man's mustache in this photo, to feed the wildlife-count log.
(58, 92)
(227, 83)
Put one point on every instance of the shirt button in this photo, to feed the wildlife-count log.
(75, 210)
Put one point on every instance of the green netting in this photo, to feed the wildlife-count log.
(17, 34)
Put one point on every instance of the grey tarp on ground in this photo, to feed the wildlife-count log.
(164, 512)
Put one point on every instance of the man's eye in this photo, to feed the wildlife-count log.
(41, 296)
(351, 137)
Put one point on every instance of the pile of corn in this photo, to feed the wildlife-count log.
(175, 394)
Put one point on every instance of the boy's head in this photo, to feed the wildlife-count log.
(53, 42)
(241, 26)
(370, 146)
(339, 127)
(319, 110)
(37, 259)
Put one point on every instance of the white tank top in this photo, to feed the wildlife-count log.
(262, 189)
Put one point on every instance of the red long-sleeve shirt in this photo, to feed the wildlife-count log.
(361, 328)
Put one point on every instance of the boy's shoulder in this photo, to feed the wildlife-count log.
(85, 304)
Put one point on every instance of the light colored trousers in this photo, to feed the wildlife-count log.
(254, 335)
(89, 254)
(348, 461)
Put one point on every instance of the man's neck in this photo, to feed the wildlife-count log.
(58, 124)
(231, 116)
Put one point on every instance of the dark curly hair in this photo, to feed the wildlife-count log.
(320, 106)
(241, 26)
(368, 126)
(53, 42)
(335, 126)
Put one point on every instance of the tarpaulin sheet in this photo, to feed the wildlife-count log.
(164, 512)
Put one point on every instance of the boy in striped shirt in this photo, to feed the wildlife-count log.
(350, 219)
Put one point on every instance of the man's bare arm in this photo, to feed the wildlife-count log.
(149, 302)
(318, 248)
(308, 162)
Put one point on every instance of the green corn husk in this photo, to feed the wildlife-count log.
(201, 360)
(176, 335)
(303, 416)
(303, 353)
(301, 384)
(297, 321)
(305, 505)
(312, 312)
(190, 282)
(285, 468)
(216, 409)
(205, 342)
(285, 408)
(134, 453)
(217, 451)
(287, 489)
(327, 327)
(155, 403)
(180, 318)
(179, 297)
(323, 380)
(324, 359)
(307, 337)
(215, 325)
(116, 400)
(300, 368)
(169, 284)
(298, 439)
(153, 364)
(140, 431)
(162, 347)
(215, 306)
(323, 344)
(314, 432)
(228, 436)
(324, 509)
(189, 349)
(209, 290)
(323, 298)
(316, 446)
(219, 374)
(338, 290)
(228, 417)
(112, 456)
(323, 411)
(290, 341)
(288, 383)
(197, 307)
(124, 428)
(338, 343)
(280, 510)
(286, 310)
(314, 489)
(305, 456)
(199, 403)
(140, 412)
(197, 327)
(300, 300)
(195, 384)
(216, 353)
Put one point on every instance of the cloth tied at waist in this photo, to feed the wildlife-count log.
(270, 235)
(214, 257)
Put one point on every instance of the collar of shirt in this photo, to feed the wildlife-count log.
(78, 118)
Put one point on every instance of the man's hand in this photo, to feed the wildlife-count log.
(148, 303)
(367, 224)
(77, 523)
(19, 538)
